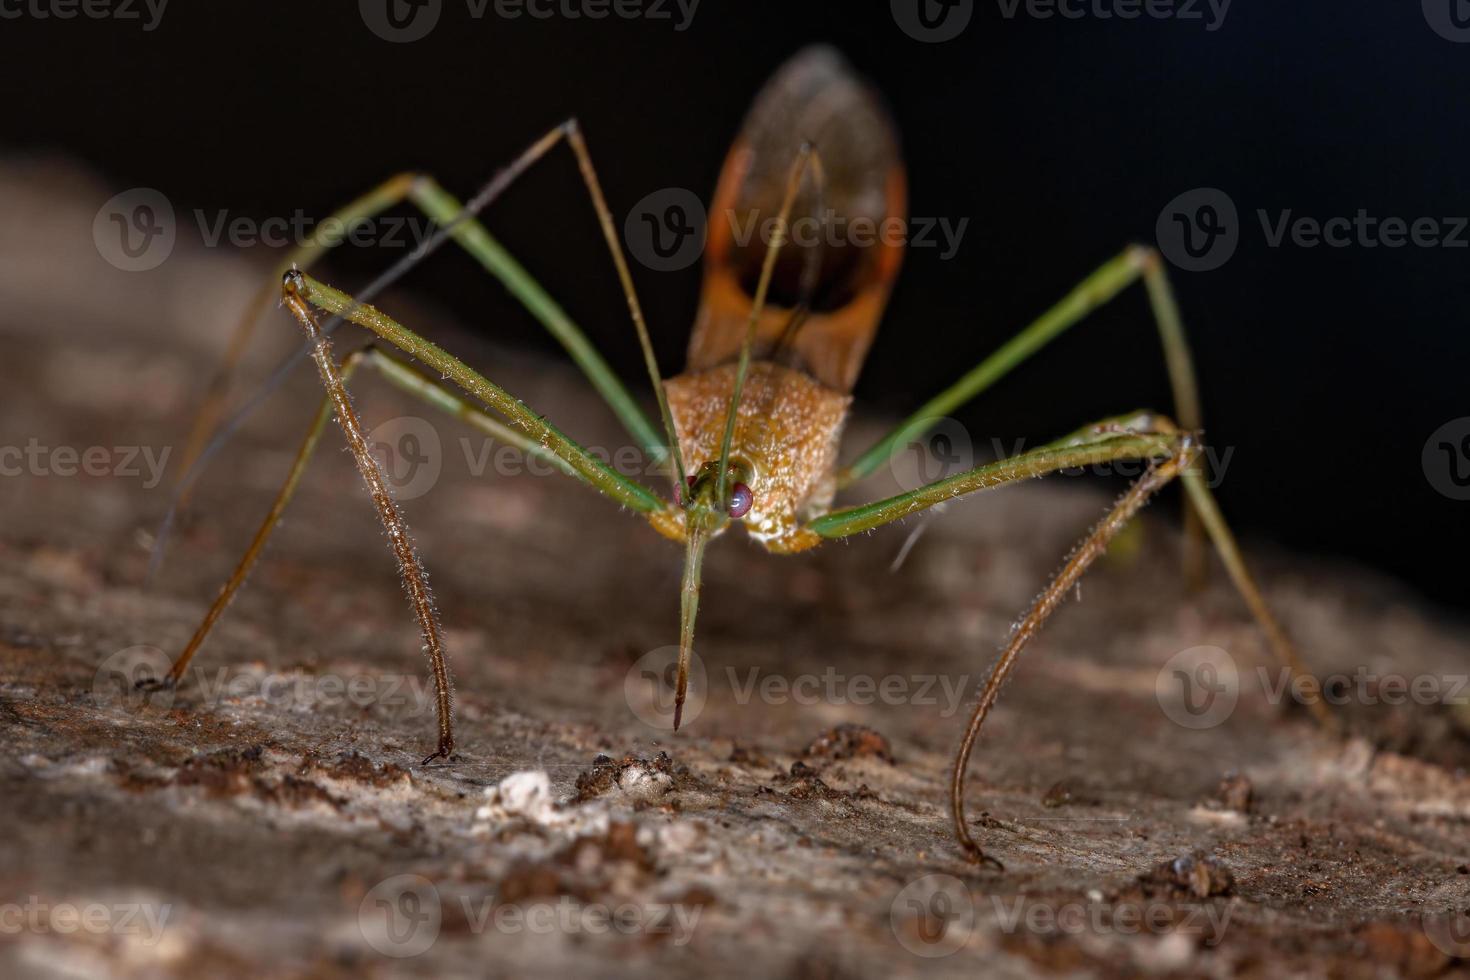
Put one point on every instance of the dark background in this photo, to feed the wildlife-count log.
(1061, 140)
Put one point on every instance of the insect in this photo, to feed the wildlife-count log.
(751, 429)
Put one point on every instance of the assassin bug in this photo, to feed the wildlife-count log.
(750, 431)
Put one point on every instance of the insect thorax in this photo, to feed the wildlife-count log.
(786, 432)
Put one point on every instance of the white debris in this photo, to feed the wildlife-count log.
(521, 795)
(641, 784)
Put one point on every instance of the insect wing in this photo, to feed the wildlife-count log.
(835, 272)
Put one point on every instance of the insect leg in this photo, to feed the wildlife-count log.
(1094, 291)
(459, 222)
(1140, 435)
(401, 376)
(409, 567)
(1084, 555)
(588, 468)
(374, 202)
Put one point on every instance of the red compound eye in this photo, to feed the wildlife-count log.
(740, 500)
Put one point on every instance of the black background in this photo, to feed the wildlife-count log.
(1060, 139)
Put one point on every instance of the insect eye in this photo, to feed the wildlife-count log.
(740, 500)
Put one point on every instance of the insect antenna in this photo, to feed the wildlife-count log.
(806, 156)
(625, 279)
(702, 519)
(695, 540)
(811, 271)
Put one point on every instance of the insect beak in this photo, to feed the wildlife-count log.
(697, 536)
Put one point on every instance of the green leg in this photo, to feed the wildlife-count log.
(387, 194)
(471, 234)
(1094, 291)
(1140, 435)
(443, 208)
(1097, 289)
(588, 468)
(412, 381)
